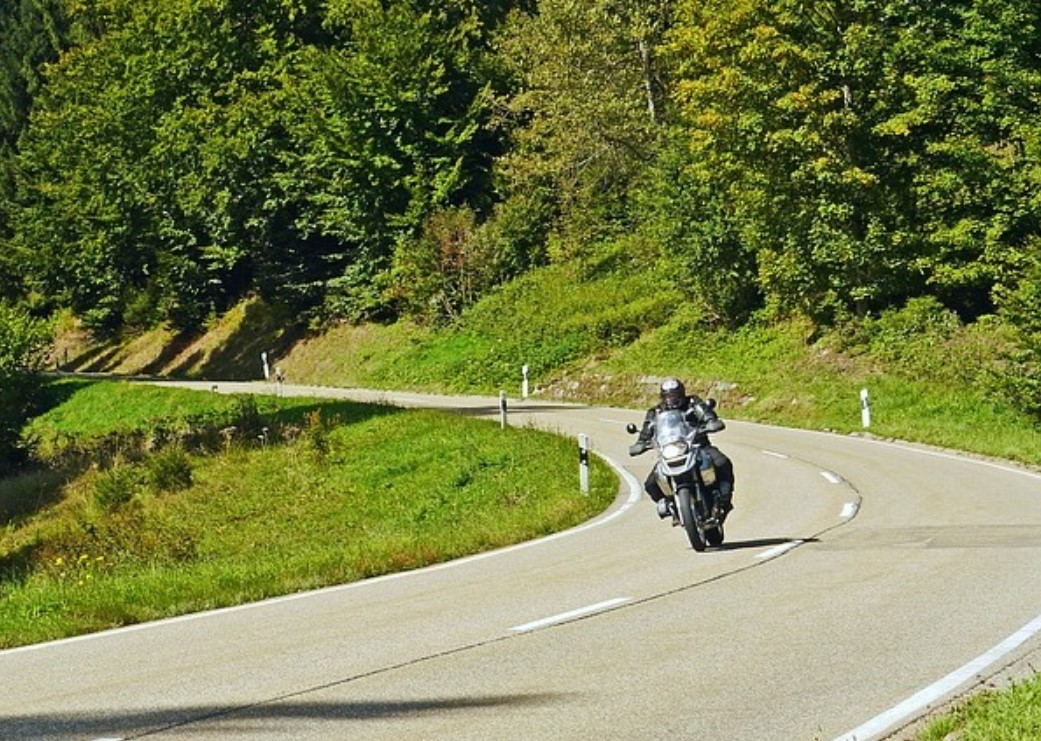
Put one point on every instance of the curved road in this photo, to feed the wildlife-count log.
(861, 582)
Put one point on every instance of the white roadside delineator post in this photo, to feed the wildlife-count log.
(502, 409)
(865, 408)
(583, 463)
(524, 384)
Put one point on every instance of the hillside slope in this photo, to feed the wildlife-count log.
(606, 332)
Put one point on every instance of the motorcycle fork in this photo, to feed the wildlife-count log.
(704, 500)
(670, 485)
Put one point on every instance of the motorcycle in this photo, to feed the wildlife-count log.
(686, 474)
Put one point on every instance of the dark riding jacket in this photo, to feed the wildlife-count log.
(697, 411)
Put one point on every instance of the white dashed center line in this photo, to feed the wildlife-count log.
(779, 550)
(849, 511)
(570, 615)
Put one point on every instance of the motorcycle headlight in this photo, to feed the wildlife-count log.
(673, 450)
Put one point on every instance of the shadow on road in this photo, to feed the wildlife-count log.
(249, 721)
(761, 543)
(511, 411)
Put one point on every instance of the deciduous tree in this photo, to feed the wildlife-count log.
(865, 150)
(591, 99)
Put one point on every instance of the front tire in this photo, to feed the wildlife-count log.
(684, 503)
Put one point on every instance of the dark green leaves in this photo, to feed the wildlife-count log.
(198, 150)
(23, 341)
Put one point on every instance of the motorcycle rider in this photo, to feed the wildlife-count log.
(673, 395)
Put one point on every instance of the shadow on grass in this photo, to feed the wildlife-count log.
(237, 358)
(56, 390)
(167, 355)
(96, 358)
(28, 487)
(332, 413)
(17, 564)
(262, 330)
(266, 719)
(26, 492)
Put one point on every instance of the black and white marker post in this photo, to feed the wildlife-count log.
(583, 463)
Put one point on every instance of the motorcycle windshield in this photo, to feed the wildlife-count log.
(670, 426)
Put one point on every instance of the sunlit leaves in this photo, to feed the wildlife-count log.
(590, 99)
(873, 149)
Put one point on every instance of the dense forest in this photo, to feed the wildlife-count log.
(378, 159)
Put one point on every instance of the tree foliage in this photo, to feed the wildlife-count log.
(126, 198)
(374, 158)
(23, 341)
(221, 147)
(443, 269)
(32, 33)
(870, 150)
(393, 128)
(590, 99)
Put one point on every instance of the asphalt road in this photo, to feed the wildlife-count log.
(861, 583)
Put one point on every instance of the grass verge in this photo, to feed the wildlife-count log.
(1012, 715)
(343, 491)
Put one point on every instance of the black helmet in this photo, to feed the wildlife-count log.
(673, 394)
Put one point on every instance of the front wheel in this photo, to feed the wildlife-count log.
(685, 505)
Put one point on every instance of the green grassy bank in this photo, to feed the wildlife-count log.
(161, 501)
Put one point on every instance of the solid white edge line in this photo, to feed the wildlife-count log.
(635, 491)
(570, 615)
(910, 707)
(922, 699)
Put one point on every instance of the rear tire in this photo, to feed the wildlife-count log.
(686, 509)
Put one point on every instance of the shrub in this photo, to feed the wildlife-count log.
(925, 339)
(115, 487)
(316, 436)
(169, 470)
(23, 341)
(248, 422)
(446, 269)
(1020, 307)
(897, 334)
